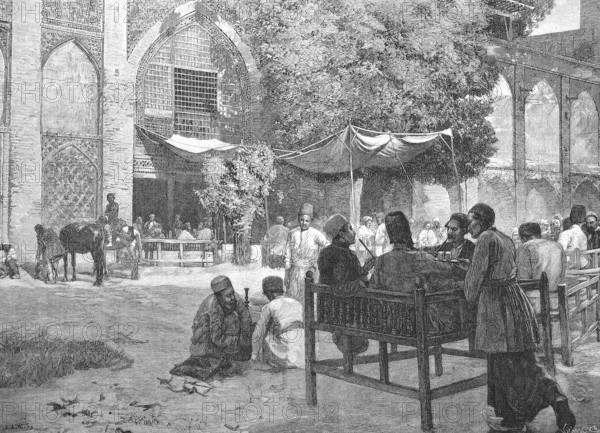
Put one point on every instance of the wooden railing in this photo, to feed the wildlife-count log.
(580, 301)
(592, 257)
(206, 249)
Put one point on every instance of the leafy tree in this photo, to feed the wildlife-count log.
(237, 189)
(415, 67)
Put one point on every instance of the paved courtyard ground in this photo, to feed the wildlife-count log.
(150, 320)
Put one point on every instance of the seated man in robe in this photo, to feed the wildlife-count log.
(278, 339)
(205, 232)
(455, 243)
(152, 228)
(9, 266)
(338, 265)
(399, 269)
(221, 334)
(185, 233)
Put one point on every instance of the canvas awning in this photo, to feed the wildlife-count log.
(191, 149)
(355, 147)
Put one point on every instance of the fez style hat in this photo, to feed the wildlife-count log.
(334, 225)
(577, 215)
(220, 283)
(272, 284)
(306, 209)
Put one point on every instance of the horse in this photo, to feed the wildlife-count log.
(128, 238)
(83, 238)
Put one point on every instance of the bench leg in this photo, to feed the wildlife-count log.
(439, 368)
(424, 388)
(384, 369)
(423, 362)
(348, 357)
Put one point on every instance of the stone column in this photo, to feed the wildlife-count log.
(565, 145)
(520, 92)
(170, 201)
(119, 103)
(25, 172)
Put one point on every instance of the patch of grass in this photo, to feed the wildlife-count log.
(33, 361)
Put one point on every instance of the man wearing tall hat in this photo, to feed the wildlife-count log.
(339, 265)
(221, 332)
(301, 253)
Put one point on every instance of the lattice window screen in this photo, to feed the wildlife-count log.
(158, 98)
(195, 90)
(192, 48)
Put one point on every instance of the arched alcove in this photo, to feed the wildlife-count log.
(502, 121)
(69, 92)
(497, 194)
(542, 201)
(584, 134)
(588, 195)
(542, 129)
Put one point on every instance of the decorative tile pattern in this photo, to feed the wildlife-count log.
(52, 38)
(70, 188)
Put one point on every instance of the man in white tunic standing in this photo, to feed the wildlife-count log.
(301, 253)
(382, 240)
(575, 238)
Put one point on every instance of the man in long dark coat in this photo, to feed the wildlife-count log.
(518, 386)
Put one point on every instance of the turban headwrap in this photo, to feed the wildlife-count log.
(592, 214)
(306, 209)
(367, 219)
(220, 283)
(334, 225)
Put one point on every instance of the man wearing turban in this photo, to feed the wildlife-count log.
(278, 339)
(301, 253)
(338, 265)
(221, 332)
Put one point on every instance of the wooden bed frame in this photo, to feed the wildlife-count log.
(396, 319)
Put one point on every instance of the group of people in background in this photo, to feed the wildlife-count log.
(483, 261)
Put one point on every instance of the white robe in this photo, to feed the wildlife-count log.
(278, 338)
(301, 254)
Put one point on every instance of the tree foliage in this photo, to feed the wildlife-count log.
(237, 188)
(381, 66)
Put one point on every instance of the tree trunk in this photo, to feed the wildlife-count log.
(240, 247)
